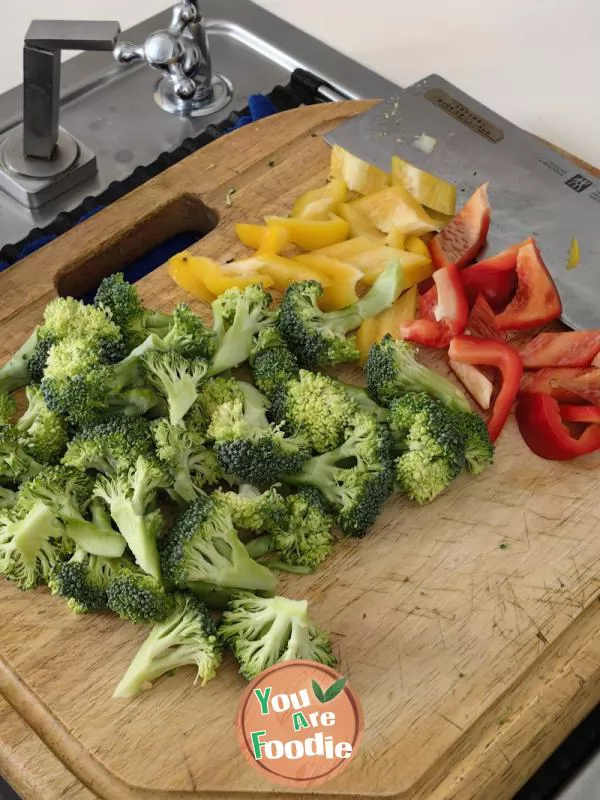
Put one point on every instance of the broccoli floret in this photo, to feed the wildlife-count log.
(16, 464)
(272, 363)
(315, 406)
(238, 316)
(431, 444)
(248, 446)
(15, 373)
(362, 400)
(43, 433)
(212, 394)
(317, 338)
(37, 361)
(83, 580)
(81, 387)
(188, 636)
(304, 542)
(8, 497)
(139, 598)
(204, 546)
(192, 464)
(117, 297)
(8, 408)
(392, 369)
(253, 510)
(356, 478)
(265, 631)
(67, 493)
(131, 498)
(30, 544)
(110, 447)
(177, 379)
(479, 448)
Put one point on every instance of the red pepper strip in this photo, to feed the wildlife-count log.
(494, 278)
(449, 310)
(462, 238)
(596, 361)
(584, 387)
(566, 349)
(536, 301)
(542, 428)
(580, 413)
(482, 352)
(482, 322)
(550, 381)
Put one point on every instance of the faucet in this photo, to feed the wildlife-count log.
(40, 160)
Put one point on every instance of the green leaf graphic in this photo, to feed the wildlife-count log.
(318, 692)
(335, 689)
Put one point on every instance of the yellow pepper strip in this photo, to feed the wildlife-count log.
(310, 234)
(395, 207)
(418, 246)
(284, 271)
(182, 271)
(425, 188)
(250, 235)
(360, 225)
(372, 263)
(574, 255)
(440, 219)
(217, 278)
(404, 310)
(365, 337)
(396, 238)
(343, 277)
(319, 203)
(346, 251)
(359, 176)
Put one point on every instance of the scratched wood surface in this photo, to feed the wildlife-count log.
(472, 661)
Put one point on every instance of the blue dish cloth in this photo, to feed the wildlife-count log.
(259, 106)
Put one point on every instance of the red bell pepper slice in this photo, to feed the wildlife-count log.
(544, 432)
(463, 237)
(482, 352)
(565, 349)
(585, 386)
(580, 413)
(482, 322)
(495, 278)
(536, 301)
(551, 381)
(444, 311)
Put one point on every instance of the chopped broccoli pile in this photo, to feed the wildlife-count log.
(263, 631)
(188, 636)
(148, 479)
(392, 369)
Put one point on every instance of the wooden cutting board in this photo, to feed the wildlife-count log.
(470, 629)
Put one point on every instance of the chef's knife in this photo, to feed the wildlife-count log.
(533, 190)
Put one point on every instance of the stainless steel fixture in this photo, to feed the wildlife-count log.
(116, 113)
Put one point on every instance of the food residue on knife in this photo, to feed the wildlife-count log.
(574, 255)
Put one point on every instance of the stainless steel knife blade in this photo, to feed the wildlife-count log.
(534, 191)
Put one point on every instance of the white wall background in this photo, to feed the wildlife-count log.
(537, 62)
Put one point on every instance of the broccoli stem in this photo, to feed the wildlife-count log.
(140, 540)
(7, 497)
(261, 547)
(32, 532)
(152, 660)
(15, 373)
(95, 541)
(211, 595)
(384, 292)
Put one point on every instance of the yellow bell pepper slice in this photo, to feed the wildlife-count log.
(217, 278)
(319, 203)
(394, 207)
(365, 338)
(360, 225)
(263, 238)
(404, 310)
(284, 271)
(181, 269)
(396, 238)
(311, 234)
(441, 220)
(359, 176)
(346, 251)
(428, 190)
(418, 246)
(372, 263)
(344, 278)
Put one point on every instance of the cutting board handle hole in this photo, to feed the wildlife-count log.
(147, 244)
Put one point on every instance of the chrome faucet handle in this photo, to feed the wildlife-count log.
(180, 52)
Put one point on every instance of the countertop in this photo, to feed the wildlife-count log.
(535, 63)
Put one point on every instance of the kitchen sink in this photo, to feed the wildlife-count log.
(113, 111)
